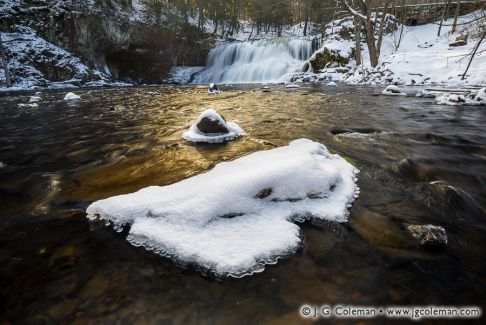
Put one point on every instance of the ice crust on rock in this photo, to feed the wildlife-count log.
(196, 135)
(240, 215)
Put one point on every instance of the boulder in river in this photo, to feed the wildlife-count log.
(213, 128)
(213, 89)
(428, 235)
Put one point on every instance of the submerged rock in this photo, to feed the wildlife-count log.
(211, 127)
(428, 235)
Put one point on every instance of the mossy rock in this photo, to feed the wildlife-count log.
(327, 58)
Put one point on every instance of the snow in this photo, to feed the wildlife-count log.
(332, 83)
(72, 96)
(195, 135)
(240, 215)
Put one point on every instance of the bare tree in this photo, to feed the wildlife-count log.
(444, 13)
(4, 63)
(363, 12)
(382, 24)
(454, 24)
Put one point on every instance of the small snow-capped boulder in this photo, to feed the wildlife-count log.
(332, 83)
(35, 99)
(30, 105)
(450, 99)
(213, 89)
(428, 235)
(480, 97)
(212, 124)
(71, 96)
(211, 127)
(154, 93)
(392, 90)
(292, 86)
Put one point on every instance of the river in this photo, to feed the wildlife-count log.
(419, 163)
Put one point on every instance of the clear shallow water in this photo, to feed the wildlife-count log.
(55, 266)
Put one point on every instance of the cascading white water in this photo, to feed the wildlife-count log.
(272, 60)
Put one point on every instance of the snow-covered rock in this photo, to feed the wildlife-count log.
(34, 62)
(457, 99)
(35, 99)
(392, 90)
(332, 83)
(182, 75)
(71, 96)
(213, 89)
(211, 127)
(480, 97)
(30, 105)
(292, 86)
(240, 215)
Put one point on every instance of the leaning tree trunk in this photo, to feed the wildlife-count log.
(472, 55)
(4, 63)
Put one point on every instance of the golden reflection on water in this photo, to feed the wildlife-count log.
(159, 156)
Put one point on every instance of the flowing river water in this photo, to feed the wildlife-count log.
(420, 163)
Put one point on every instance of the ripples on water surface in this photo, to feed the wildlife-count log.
(57, 266)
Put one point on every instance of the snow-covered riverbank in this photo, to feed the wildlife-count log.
(422, 57)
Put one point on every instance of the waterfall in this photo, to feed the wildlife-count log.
(272, 60)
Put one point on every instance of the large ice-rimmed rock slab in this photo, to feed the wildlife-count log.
(211, 127)
(240, 215)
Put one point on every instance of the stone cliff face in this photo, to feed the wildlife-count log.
(115, 37)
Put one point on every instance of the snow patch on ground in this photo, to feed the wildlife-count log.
(241, 215)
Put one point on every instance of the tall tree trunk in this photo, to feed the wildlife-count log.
(5, 63)
(454, 24)
(446, 8)
(370, 34)
(382, 25)
(306, 16)
(357, 38)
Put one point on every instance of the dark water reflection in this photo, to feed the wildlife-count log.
(419, 162)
